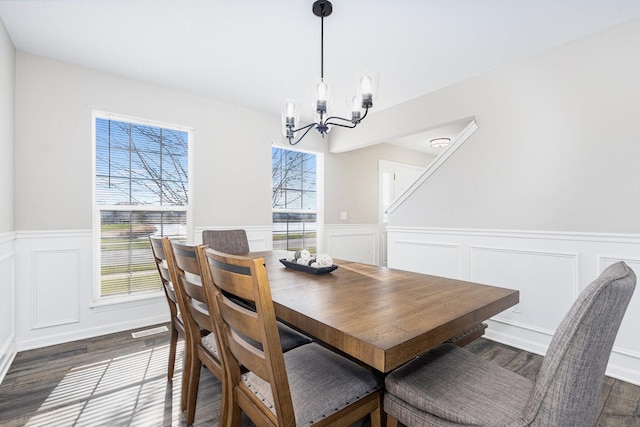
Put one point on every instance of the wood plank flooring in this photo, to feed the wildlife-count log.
(116, 380)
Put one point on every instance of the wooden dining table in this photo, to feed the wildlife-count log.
(380, 316)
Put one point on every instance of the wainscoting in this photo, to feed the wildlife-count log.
(7, 302)
(549, 270)
(353, 242)
(54, 293)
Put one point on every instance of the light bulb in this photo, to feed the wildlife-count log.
(322, 90)
(365, 84)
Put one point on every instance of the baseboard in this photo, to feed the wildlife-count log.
(6, 359)
(111, 328)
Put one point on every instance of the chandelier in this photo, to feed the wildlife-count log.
(359, 103)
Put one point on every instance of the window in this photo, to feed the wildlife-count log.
(140, 188)
(294, 199)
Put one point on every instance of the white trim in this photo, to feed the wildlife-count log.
(435, 165)
(522, 234)
(586, 255)
(55, 234)
(7, 355)
(8, 350)
(97, 209)
(37, 281)
(7, 237)
(119, 301)
(95, 331)
(137, 120)
(363, 242)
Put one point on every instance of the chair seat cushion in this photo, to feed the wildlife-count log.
(458, 387)
(209, 342)
(321, 382)
(290, 338)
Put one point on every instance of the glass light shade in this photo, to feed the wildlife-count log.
(290, 114)
(290, 111)
(355, 106)
(322, 95)
(368, 87)
(440, 142)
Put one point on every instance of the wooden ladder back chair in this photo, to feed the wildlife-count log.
(177, 326)
(201, 344)
(308, 385)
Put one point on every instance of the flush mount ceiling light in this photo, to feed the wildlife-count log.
(359, 104)
(440, 142)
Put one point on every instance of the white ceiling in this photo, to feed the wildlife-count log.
(256, 53)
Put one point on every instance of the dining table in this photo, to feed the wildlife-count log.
(382, 317)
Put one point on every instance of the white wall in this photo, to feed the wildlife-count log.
(556, 149)
(7, 98)
(53, 184)
(544, 195)
(352, 183)
(7, 235)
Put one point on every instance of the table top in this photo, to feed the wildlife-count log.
(380, 316)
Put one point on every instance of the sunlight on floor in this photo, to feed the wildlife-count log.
(136, 382)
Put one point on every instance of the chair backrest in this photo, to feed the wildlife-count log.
(227, 241)
(160, 257)
(569, 381)
(240, 329)
(191, 294)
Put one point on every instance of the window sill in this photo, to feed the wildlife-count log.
(120, 302)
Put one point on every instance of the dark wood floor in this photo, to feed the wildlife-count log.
(117, 380)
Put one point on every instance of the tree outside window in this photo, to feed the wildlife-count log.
(294, 199)
(141, 189)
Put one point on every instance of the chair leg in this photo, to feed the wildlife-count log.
(192, 392)
(235, 413)
(172, 351)
(377, 416)
(391, 421)
(224, 402)
(186, 371)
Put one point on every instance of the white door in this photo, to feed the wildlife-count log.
(394, 179)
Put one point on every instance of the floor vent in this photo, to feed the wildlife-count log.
(147, 332)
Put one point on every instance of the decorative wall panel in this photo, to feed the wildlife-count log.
(549, 269)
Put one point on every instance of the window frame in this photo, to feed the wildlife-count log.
(97, 299)
(319, 211)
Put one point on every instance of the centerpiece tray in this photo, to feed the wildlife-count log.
(308, 269)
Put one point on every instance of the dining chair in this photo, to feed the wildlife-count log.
(201, 346)
(309, 385)
(177, 326)
(449, 386)
(227, 241)
(235, 242)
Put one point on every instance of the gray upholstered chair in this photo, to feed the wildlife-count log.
(450, 386)
(309, 385)
(227, 241)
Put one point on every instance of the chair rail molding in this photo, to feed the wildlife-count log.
(549, 269)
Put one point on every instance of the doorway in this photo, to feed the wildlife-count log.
(394, 179)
